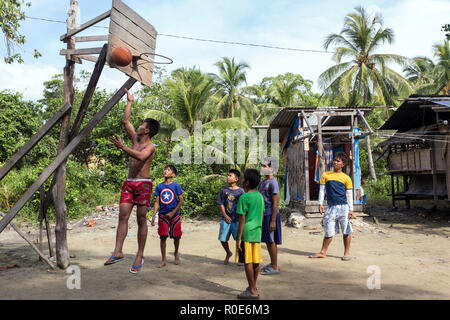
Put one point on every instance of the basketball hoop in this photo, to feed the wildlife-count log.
(145, 56)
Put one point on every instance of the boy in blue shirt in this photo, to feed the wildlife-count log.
(169, 199)
(228, 199)
(271, 228)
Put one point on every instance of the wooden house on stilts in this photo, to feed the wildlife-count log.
(417, 154)
(310, 137)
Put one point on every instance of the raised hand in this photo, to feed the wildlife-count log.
(130, 96)
(117, 141)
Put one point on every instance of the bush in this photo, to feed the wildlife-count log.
(84, 190)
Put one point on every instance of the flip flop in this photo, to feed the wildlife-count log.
(136, 267)
(113, 260)
(346, 258)
(268, 270)
(266, 267)
(246, 295)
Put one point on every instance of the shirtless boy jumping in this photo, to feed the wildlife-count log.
(137, 189)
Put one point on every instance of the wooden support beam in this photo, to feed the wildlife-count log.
(306, 155)
(353, 157)
(335, 128)
(88, 58)
(373, 174)
(41, 255)
(89, 92)
(33, 140)
(64, 154)
(80, 51)
(364, 120)
(307, 122)
(86, 25)
(91, 38)
(322, 164)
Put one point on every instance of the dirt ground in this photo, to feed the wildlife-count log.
(410, 249)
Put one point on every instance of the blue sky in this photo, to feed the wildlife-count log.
(294, 24)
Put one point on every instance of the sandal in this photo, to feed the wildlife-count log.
(246, 295)
(136, 267)
(112, 260)
(268, 270)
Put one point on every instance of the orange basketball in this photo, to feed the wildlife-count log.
(121, 56)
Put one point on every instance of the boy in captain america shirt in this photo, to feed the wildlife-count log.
(169, 199)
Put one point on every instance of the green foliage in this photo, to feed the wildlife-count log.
(19, 120)
(11, 14)
(446, 29)
(365, 78)
(377, 191)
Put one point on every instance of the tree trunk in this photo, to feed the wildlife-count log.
(62, 251)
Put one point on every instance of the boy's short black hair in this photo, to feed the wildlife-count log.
(153, 125)
(343, 156)
(171, 167)
(235, 172)
(253, 177)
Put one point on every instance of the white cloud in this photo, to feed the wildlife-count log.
(296, 24)
(27, 78)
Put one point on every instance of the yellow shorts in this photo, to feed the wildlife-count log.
(251, 253)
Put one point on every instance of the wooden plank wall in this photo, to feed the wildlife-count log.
(296, 169)
(128, 29)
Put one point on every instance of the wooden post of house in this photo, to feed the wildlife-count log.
(370, 159)
(320, 148)
(405, 188)
(433, 172)
(369, 148)
(62, 251)
(306, 153)
(354, 122)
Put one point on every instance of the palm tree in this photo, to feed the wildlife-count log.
(421, 73)
(230, 99)
(190, 93)
(442, 52)
(365, 77)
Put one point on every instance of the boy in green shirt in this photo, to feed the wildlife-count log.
(250, 208)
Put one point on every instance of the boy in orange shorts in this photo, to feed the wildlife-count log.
(250, 208)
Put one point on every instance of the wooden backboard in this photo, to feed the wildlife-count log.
(128, 29)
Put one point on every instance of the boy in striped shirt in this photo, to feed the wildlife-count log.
(339, 191)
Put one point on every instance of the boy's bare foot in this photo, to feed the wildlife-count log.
(163, 264)
(177, 259)
(319, 255)
(227, 258)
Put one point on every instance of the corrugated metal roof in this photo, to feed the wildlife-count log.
(411, 114)
(286, 116)
(410, 136)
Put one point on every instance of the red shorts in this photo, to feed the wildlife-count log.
(169, 228)
(137, 192)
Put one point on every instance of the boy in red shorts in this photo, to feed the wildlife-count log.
(136, 190)
(169, 199)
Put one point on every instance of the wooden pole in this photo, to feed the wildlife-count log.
(62, 251)
(41, 255)
(322, 165)
(434, 173)
(353, 120)
(306, 153)
(373, 174)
